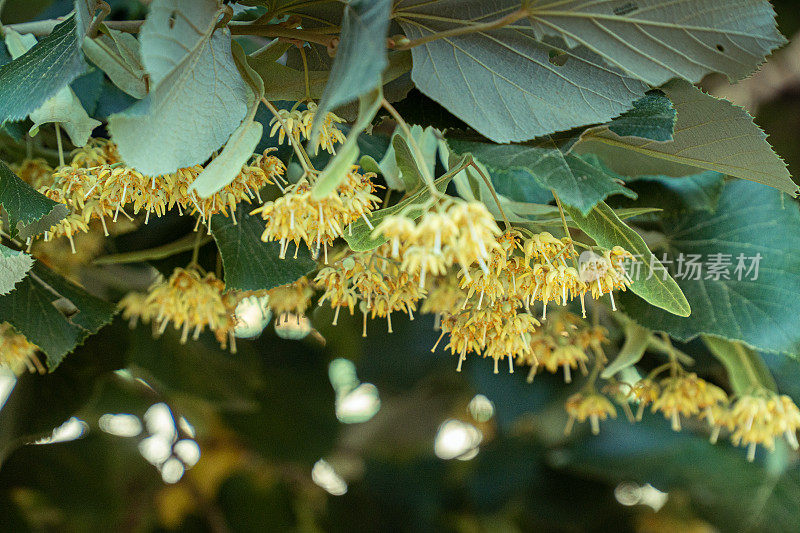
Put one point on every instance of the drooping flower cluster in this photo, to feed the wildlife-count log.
(760, 418)
(486, 306)
(16, 353)
(191, 301)
(297, 124)
(96, 186)
(562, 344)
(374, 282)
(753, 419)
(460, 233)
(294, 298)
(297, 217)
(592, 406)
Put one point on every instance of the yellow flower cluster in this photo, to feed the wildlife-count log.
(17, 353)
(103, 190)
(460, 233)
(487, 308)
(297, 124)
(191, 301)
(753, 419)
(291, 299)
(561, 344)
(496, 330)
(34, 172)
(759, 418)
(296, 216)
(373, 281)
(592, 406)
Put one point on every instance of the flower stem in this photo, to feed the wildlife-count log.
(466, 29)
(60, 145)
(566, 230)
(305, 162)
(492, 190)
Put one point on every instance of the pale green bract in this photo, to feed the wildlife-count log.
(197, 99)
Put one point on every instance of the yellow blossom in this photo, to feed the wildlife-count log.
(686, 395)
(592, 406)
(17, 353)
(293, 298)
(297, 217)
(761, 417)
(188, 300)
(298, 124)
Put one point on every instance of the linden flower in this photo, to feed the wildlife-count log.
(559, 345)
(720, 417)
(605, 274)
(512, 340)
(462, 232)
(593, 406)
(644, 392)
(298, 124)
(545, 274)
(496, 331)
(57, 254)
(297, 217)
(245, 187)
(135, 307)
(189, 301)
(544, 248)
(502, 275)
(686, 395)
(444, 296)
(97, 152)
(336, 284)
(565, 356)
(293, 298)
(34, 172)
(760, 418)
(16, 353)
(67, 227)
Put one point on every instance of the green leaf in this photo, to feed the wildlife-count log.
(652, 117)
(337, 168)
(407, 165)
(250, 264)
(63, 107)
(360, 56)
(656, 41)
(227, 165)
(31, 79)
(694, 193)
(197, 96)
(117, 54)
(637, 339)
(29, 212)
(579, 181)
(605, 227)
(13, 267)
(502, 82)
(389, 165)
(750, 220)
(360, 239)
(53, 313)
(746, 370)
(710, 134)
